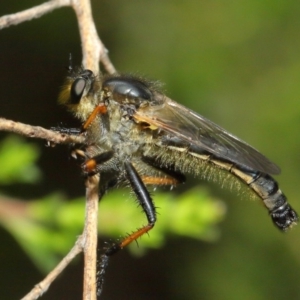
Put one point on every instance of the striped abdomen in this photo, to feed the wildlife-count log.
(282, 214)
(266, 188)
(190, 158)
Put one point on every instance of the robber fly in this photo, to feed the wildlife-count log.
(135, 135)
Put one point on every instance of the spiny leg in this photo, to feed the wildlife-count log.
(138, 185)
(146, 203)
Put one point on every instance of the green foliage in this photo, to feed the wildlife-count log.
(17, 161)
(47, 228)
(193, 214)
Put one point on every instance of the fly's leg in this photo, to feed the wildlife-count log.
(149, 180)
(89, 167)
(174, 176)
(138, 186)
(146, 202)
(99, 109)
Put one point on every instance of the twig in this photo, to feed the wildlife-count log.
(88, 34)
(43, 286)
(93, 49)
(91, 236)
(39, 132)
(32, 13)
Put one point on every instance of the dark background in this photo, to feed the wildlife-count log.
(237, 63)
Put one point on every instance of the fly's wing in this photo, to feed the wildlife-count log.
(183, 123)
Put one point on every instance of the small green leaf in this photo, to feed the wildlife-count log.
(17, 161)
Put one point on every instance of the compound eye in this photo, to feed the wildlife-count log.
(77, 90)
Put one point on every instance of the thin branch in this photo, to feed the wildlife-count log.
(39, 132)
(31, 13)
(91, 237)
(106, 62)
(93, 49)
(43, 286)
(88, 35)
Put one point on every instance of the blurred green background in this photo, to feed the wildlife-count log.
(235, 62)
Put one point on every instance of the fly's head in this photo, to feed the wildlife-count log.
(81, 93)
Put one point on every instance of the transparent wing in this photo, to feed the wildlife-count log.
(181, 122)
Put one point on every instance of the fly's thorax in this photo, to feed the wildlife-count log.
(130, 90)
(125, 136)
(121, 121)
(116, 131)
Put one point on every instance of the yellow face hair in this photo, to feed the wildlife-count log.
(64, 95)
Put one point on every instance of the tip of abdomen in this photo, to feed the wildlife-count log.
(284, 217)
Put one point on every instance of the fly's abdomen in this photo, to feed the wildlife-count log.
(262, 184)
(282, 214)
